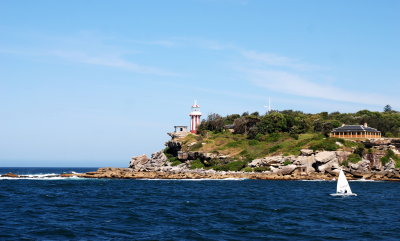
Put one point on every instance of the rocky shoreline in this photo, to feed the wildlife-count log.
(130, 173)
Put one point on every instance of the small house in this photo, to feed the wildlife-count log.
(180, 129)
(356, 132)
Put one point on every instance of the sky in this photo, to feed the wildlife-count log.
(93, 83)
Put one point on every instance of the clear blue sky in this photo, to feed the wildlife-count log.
(92, 83)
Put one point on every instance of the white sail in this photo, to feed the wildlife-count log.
(343, 184)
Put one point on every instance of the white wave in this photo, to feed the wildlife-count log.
(363, 180)
(47, 176)
(317, 180)
(188, 179)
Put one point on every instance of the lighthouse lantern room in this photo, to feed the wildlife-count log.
(195, 117)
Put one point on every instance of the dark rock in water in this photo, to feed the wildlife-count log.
(10, 174)
(67, 174)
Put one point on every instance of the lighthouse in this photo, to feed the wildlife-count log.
(195, 117)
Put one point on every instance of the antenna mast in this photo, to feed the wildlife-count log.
(269, 105)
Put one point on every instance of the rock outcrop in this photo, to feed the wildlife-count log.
(361, 168)
(10, 174)
(325, 156)
(144, 164)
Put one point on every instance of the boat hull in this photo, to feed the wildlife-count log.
(343, 194)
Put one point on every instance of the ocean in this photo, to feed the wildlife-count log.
(110, 209)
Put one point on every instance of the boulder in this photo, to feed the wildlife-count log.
(362, 166)
(138, 162)
(144, 164)
(306, 152)
(287, 170)
(333, 171)
(339, 144)
(305, 161)
(329, 166)
(360, 169)
(268, 161)
(325, 156)
(342, 155)
(159, 157)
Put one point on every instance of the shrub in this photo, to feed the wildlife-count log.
(385, 160)
(294, 135)
(318, 137)
(354, 158)
(274, 148)
(287, 162)
(262, 169)
(196, 146)
(273, 137)
(248, 156)
(247, 169)
(195, 164)
(168, 153)
(253, 142)
(392, 155)
(339, 140)
(232, 144)
(260, 137)
(175, 163)
(231, 166)
(327, 144)
(359, 151)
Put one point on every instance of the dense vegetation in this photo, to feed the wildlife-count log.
(297, 122)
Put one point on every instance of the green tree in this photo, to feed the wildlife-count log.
(273, 122)
(244, 124)
(214, 122)
(387, 108)
(229, 119)
(327, 127)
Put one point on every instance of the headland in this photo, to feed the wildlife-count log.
(286, 145)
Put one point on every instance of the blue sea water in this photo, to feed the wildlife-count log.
(104, 209)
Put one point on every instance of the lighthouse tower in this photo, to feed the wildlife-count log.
(194, 117)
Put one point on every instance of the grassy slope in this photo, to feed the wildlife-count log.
(238, 147)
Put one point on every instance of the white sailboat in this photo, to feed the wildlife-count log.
(343, 187)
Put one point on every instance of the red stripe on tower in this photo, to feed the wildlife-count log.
(195, 117)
